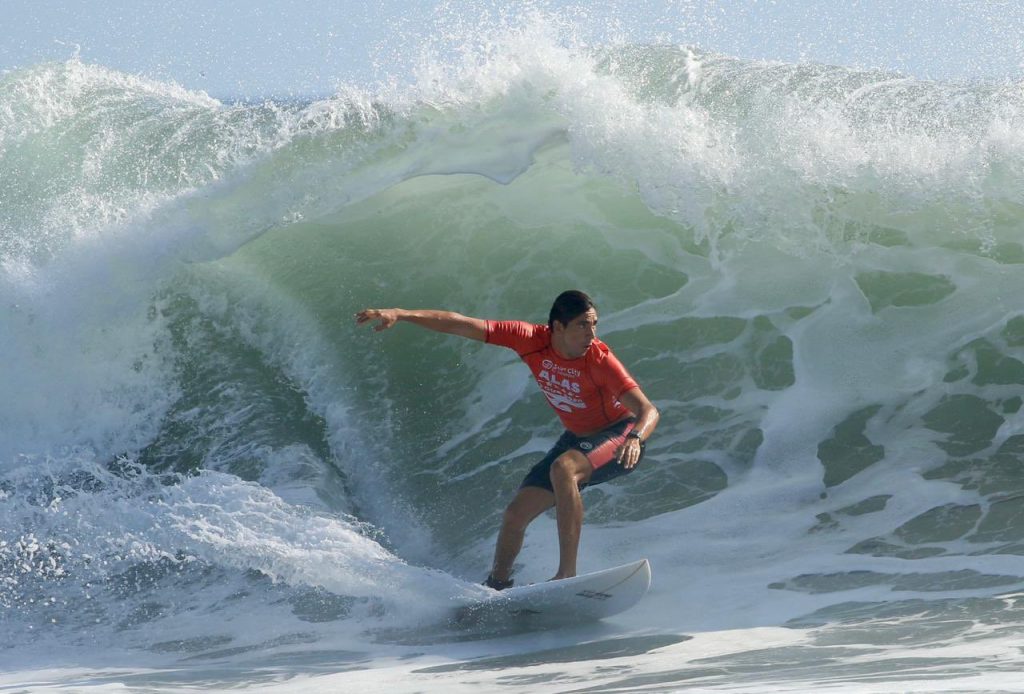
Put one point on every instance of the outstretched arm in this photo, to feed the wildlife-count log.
(439, 321)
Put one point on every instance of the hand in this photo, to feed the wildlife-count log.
(629, 453)
(386, 316)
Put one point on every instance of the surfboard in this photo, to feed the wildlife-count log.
(583, 598)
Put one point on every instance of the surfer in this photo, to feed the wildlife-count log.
(607, 418)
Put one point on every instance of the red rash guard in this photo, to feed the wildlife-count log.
(583, 391)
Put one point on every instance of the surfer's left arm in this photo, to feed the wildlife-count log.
(647, 417)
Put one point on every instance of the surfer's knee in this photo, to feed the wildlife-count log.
(570, 467)
(513, 518)
(517, 516)
(527, 504)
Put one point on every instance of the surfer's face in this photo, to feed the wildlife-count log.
(574, 338)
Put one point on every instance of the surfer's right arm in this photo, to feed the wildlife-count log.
(439, 321)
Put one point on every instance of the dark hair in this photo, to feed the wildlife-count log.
(569, 305)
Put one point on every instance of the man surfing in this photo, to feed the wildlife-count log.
(607, 418)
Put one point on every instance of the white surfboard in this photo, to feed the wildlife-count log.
(569, 600)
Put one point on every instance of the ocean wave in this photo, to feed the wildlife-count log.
(812, 270)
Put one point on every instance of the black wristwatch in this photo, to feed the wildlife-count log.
(634, 435)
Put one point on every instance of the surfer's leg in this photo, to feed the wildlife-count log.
(528, 503)
(571, 470)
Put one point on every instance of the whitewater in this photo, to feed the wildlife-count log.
(210, 478)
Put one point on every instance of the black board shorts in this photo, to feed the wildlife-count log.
(600, 449)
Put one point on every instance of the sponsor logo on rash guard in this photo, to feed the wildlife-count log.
(559, 369)
(559, 388)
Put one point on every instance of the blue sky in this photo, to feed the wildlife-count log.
(235, 48)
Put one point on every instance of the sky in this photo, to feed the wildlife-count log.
(296, 48)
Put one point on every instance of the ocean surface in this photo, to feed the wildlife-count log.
(210, 478)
